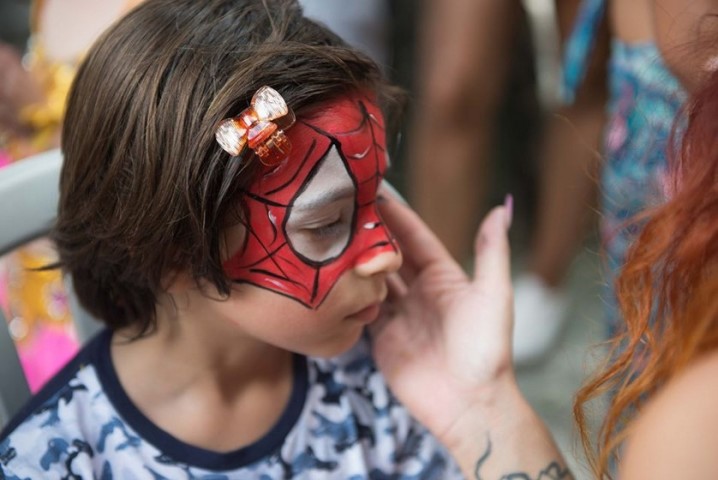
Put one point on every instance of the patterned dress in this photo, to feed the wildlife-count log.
(644, 104)
(340, 422)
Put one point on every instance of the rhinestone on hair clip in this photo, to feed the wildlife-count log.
(260, 126)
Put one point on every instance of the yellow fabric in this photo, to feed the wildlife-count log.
(45, 118)
(35, 298)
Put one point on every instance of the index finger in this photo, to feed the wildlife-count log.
(419, 244)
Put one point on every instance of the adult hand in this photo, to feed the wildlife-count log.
(444, 339)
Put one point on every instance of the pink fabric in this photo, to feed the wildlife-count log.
(4, 158)
(45, 353)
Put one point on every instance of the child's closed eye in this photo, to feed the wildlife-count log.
(325, 235)
(329, 229)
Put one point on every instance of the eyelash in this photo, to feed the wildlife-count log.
(328, 230)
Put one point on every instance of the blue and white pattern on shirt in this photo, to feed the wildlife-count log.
(341, 422)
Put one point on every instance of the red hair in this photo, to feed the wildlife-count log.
(667, 289)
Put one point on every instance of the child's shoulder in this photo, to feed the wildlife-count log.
(50, 427)
(61, 388)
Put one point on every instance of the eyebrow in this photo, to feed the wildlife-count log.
(325, 198)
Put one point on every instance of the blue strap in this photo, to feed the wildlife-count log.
(579, 47)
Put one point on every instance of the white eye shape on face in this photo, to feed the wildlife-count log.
(320, 220)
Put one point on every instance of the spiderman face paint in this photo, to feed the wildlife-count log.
(315, 216)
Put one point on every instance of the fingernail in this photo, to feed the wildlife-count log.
(509, 204)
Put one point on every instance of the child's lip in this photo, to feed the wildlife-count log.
(367, 314)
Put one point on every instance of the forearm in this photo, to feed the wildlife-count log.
(503, 438)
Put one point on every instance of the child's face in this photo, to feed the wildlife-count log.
(315, 233)
(315, 216)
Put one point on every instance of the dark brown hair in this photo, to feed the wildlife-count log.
(145, 187)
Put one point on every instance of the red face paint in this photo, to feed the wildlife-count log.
(315, 216)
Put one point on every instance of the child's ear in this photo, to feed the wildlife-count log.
(177, 281)
(232, 239)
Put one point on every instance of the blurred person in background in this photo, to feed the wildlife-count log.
(462, 66)
(33, 87)
(658, 55)
(569, 163)
(626, 67)
(465, 56)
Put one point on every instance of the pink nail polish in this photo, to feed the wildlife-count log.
(509, 204)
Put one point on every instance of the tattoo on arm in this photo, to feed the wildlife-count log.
(554, 470)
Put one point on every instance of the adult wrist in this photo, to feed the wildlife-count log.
(486, 408)
(502, 433)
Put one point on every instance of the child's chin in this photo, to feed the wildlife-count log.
(338, 348)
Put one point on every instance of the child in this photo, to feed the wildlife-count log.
(235, 286)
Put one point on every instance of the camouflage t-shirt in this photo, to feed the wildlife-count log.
(341, 422)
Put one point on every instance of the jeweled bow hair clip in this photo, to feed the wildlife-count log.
(260, 126)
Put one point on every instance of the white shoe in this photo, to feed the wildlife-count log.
(539, 313)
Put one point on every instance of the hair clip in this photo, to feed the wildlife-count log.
(260, 126)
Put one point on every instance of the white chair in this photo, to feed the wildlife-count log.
(29, 192)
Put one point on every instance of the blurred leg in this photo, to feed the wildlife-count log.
(567, 202)
(569, 170)
(464, 55)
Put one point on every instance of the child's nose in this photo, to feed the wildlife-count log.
(384, 262)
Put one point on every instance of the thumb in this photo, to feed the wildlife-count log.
(492, 263)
